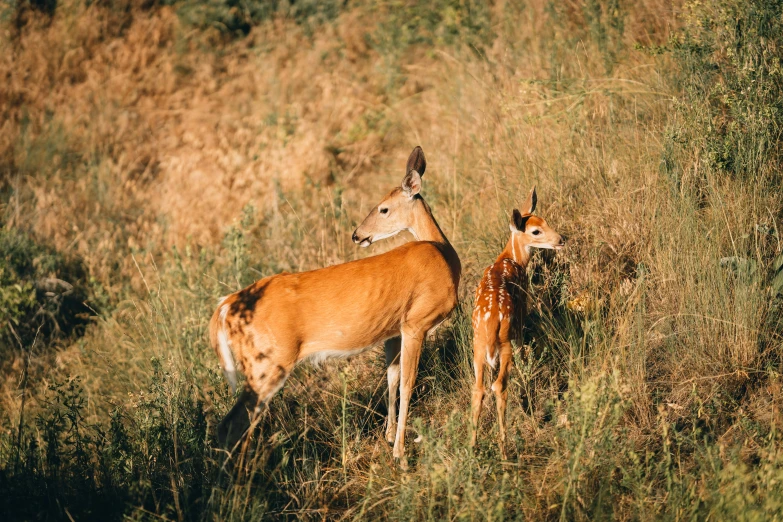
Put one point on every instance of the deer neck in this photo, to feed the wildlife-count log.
(423, 225)
(516, 250)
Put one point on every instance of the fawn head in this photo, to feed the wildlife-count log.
(533, 231)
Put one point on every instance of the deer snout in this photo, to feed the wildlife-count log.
(361, 241)
(561, 244)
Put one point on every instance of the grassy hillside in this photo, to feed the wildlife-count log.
(156, 155)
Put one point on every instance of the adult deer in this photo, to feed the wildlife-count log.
(501, 307)
(281, 320)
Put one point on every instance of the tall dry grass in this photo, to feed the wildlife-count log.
(178, 162)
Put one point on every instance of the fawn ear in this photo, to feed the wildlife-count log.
(518, 221)
(416, 161)
(411, 183)
(530, 205)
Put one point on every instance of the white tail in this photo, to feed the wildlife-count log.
(501, 307)
(344, 309)
(222, 346)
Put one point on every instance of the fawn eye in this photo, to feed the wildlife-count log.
(536, 232)
(383, 210)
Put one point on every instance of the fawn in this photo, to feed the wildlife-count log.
(501, 307)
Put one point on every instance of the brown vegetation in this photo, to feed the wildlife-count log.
(179, 162)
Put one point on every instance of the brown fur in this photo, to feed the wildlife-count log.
(501, 307)
(281, 320)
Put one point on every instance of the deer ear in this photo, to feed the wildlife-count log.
(518, 221)
(411, 183)
(530, 205)
(416, 161)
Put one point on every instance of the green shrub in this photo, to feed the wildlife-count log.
(405, 23)
(732, 108)
(154, 452)
(234, 18)
(41, 292)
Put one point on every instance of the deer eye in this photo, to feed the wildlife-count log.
(536, 232)
(383, 210)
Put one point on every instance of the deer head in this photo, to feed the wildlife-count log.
(395, 212)
(533, 231)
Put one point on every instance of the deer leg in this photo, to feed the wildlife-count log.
(264, 378)
(500, 387)
(479, 353)
(392, 349)
(409, 366)
(237, 421)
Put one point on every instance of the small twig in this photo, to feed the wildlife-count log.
(141, 274)
(24, 392)
(218, 281)
(711, 377)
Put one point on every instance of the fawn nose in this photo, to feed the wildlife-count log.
(562, 240)
(355, 237)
